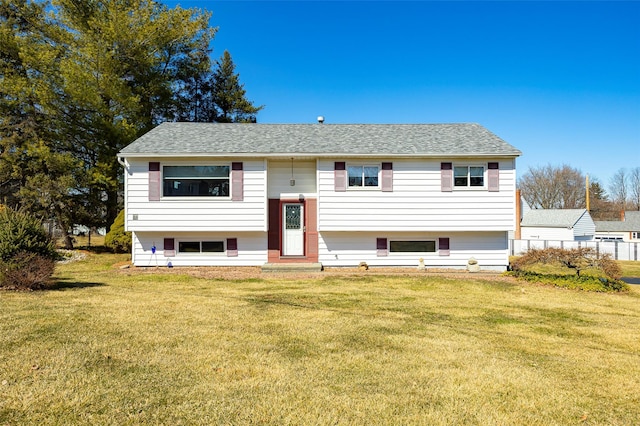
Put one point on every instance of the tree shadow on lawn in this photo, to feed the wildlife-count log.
(64, 284)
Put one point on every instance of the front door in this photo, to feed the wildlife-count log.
(293, 230)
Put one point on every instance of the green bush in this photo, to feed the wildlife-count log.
(27, 253)
(117, 239)
(22, 232)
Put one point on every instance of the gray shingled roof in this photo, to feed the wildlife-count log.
(552, 218)
(319, 140)
(631, 223)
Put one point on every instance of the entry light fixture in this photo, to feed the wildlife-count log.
(292, 181)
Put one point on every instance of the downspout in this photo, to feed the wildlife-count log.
(518, 234)
(123, 163)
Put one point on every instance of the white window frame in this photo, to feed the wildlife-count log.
(364, 187)
(196, 197)
(201, 253)
(402, 253)
(468, 186)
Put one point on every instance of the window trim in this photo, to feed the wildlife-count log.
(364, 187)
(468, 187)
(200, 253)
(197, 197)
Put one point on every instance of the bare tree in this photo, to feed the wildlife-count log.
(550, 187)
(634, 190)
(618, 188)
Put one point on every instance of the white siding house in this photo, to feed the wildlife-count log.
(557, 224)
(388, 195)
(626, 229)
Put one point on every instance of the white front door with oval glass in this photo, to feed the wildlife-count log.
(293, 230)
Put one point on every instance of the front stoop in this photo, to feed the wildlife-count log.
(292, 267)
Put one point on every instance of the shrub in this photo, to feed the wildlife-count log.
(27, 253)
(26, 271)
(604, 272)
(117, 239)
(22, 232)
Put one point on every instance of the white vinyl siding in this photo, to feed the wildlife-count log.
(200, 213)
(490, 249)
(252, 249)
(546, 233)
(417, 202)
(280, 173)
(584, 229)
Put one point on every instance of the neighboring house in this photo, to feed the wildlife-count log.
(558, 225)
(388, 195)
(627, 229)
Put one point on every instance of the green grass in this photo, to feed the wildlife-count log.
(163, 347)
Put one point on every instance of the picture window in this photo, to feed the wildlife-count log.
(196, 181)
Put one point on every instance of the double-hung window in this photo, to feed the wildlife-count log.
(363, 176)
(468, 176)
(196, 181)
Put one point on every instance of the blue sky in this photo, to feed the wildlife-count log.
(558, 80)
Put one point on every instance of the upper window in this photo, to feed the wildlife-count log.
(635, 235)
(364, 176)
(468, 176)
(196, 181)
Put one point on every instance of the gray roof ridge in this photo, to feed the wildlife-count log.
(437, 139)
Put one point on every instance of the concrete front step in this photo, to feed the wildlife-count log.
(292, 267)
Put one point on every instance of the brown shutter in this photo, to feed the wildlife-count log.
(154, 181)
(381, 246)
(446, 177)
(169, 247)
(237, 182)
(443, 247)
(340, 176)
(232, 247)
(493, 176)
(387, 177)
(273, 234)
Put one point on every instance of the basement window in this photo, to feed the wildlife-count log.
(201, 247)
(425, 246)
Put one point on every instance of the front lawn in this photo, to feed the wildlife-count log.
(161, 346)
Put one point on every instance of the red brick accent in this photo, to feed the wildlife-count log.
(274, 234)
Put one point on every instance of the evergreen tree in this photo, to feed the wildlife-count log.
(79, 80)
(229, 96)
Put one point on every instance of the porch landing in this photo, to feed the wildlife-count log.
(292, 267)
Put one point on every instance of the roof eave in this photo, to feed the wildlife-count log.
(307, 154)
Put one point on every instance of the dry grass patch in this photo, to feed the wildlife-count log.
(630, 268)
(165, 347)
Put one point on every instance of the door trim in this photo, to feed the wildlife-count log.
(283, 230)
